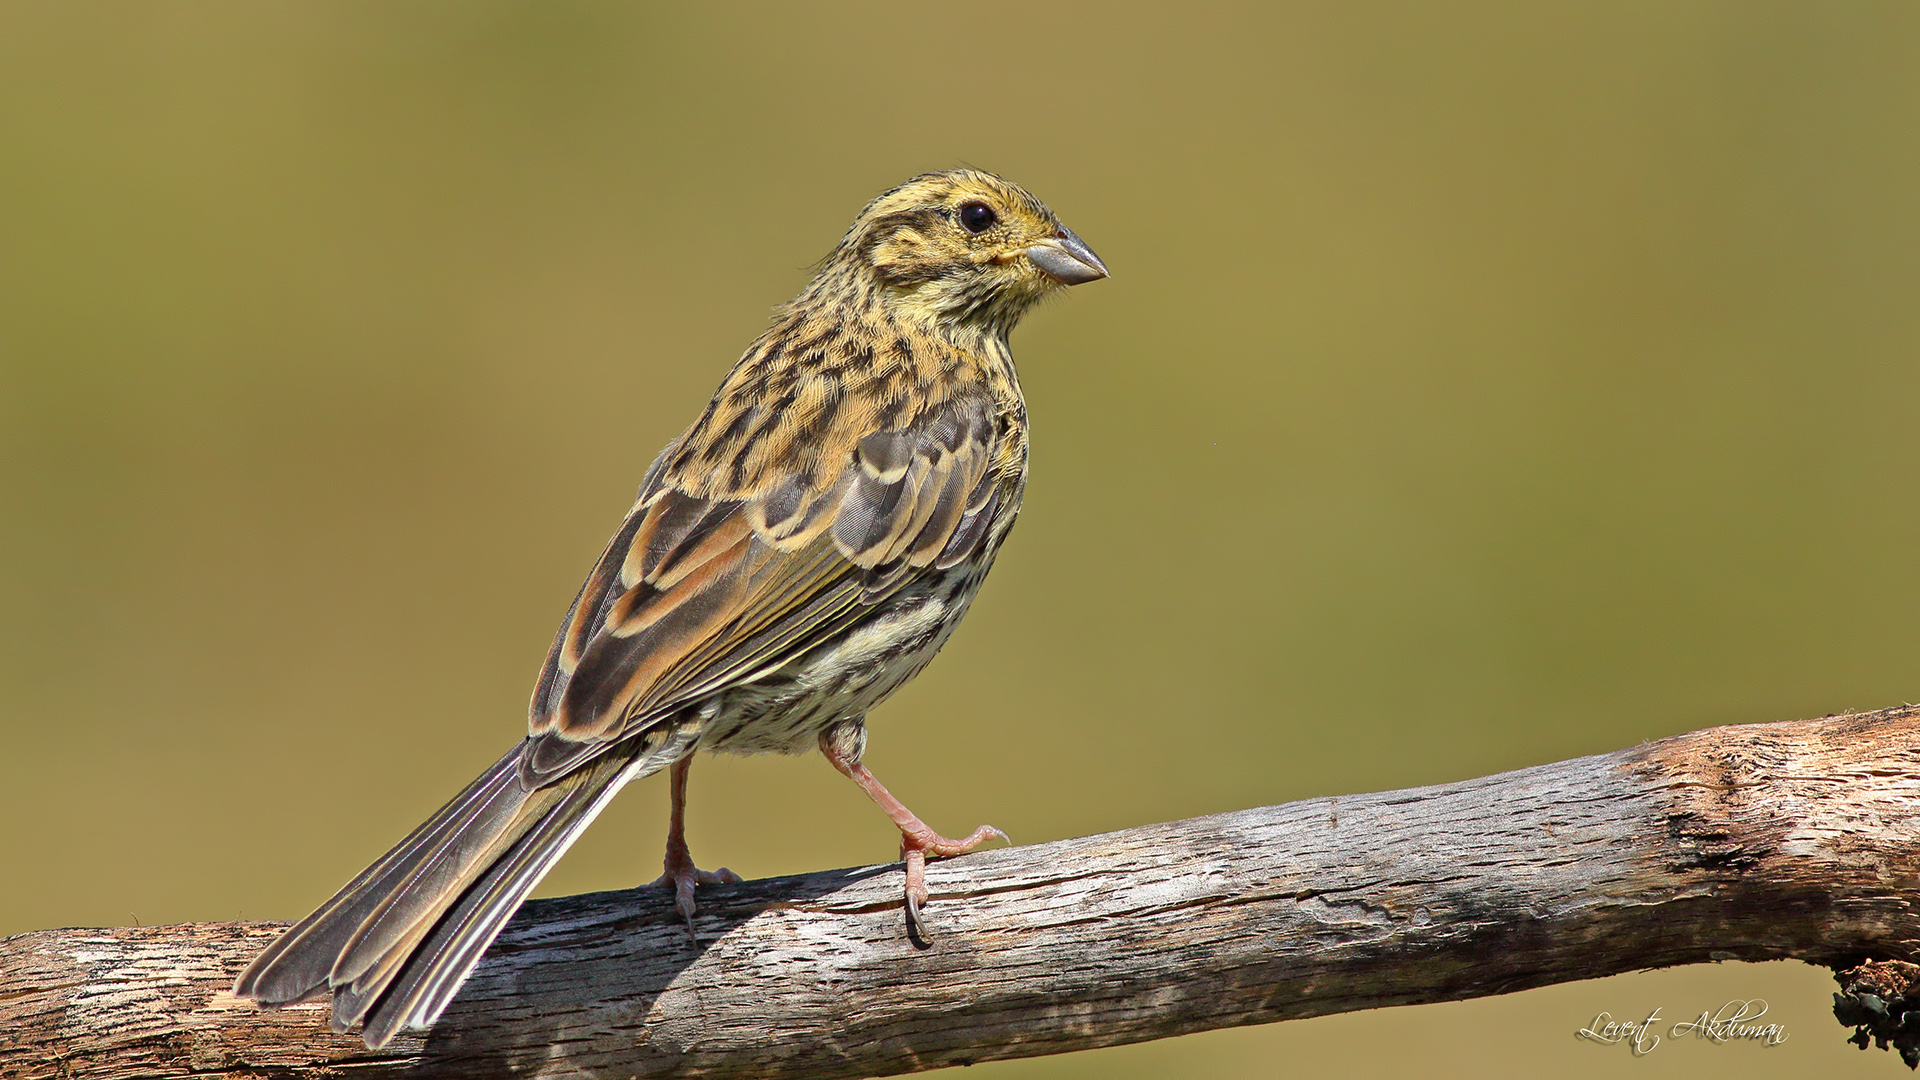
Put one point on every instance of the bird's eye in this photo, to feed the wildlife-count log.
(977, 217)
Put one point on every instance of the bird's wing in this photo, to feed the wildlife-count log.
(695, 593)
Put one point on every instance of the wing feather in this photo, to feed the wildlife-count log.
(695, 593)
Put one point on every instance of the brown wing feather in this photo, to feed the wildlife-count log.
(693, 593)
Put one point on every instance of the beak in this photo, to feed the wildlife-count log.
(1066, 259)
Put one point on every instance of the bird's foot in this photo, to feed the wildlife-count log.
(917, 841)
(841, 744)
(682, 877)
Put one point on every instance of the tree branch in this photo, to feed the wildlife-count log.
(1756, 842)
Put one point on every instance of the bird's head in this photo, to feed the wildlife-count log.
(964, 249)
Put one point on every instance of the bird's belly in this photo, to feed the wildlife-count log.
(785, 710)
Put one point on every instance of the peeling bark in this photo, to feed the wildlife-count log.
(1757, 842)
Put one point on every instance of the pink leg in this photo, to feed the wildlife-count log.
(681, 875)
(917, 840)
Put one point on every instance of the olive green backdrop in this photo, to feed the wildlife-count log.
(1479, 385)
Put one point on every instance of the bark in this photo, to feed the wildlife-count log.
(1756, 842)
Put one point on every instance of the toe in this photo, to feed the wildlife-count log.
(935, 844)
(917, 895)
(683, 899)
(684, 880)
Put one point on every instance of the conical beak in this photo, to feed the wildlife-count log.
(1067, 259)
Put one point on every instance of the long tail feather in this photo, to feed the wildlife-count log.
(395, 944)
(298, 963)
(437, 968)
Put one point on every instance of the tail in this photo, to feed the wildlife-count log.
(395, 944)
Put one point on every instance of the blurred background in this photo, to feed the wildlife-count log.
(1479, 385)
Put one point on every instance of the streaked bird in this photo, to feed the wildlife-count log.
(793, 558)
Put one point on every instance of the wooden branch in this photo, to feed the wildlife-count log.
(1757, 842)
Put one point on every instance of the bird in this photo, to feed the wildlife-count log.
(791, 559)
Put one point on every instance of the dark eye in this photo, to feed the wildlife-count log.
(977, 217)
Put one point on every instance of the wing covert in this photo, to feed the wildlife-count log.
(693, 593)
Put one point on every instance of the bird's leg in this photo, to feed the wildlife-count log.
(681, 875)
(843, 745)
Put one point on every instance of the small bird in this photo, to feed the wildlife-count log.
(792, 559)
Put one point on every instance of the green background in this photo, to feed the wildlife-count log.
(1479, 385)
